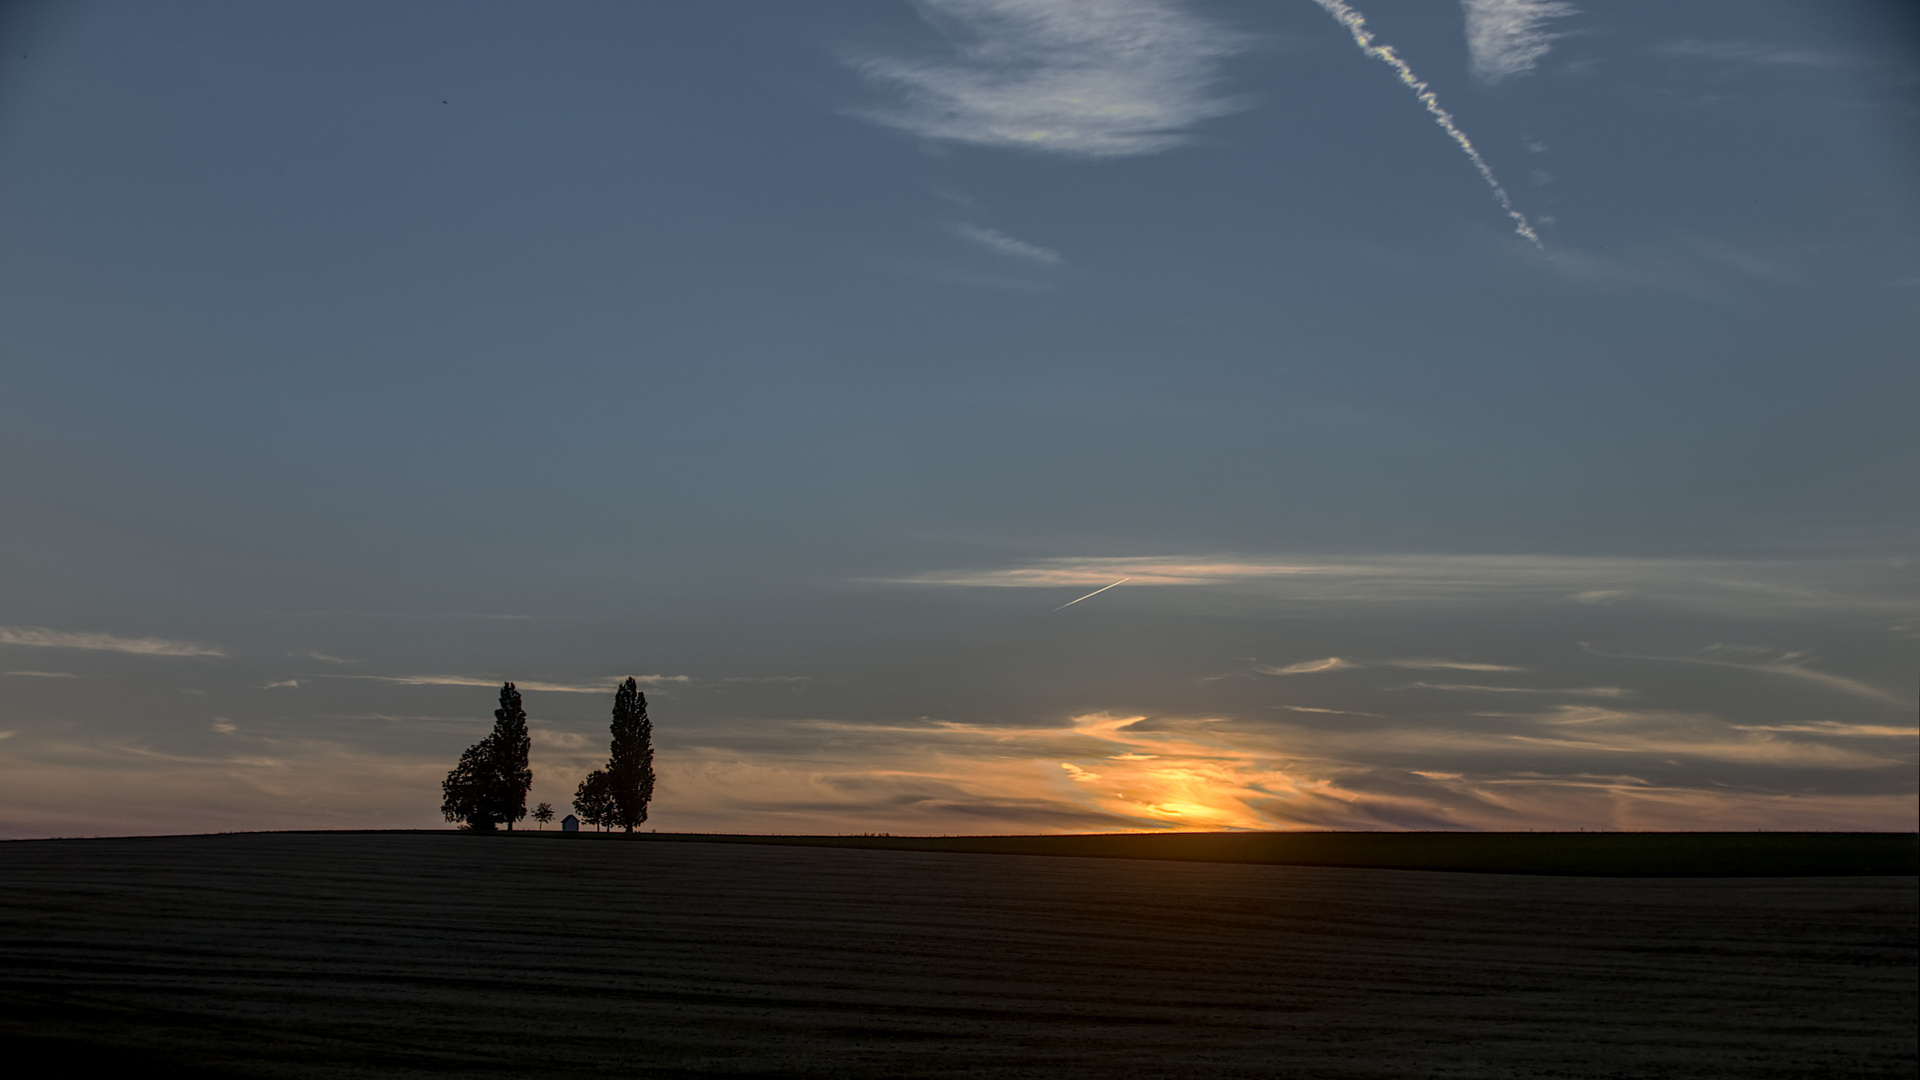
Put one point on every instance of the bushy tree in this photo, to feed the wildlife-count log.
(543, 813)
(489, 785)
(630, 766)
(593, 800)
(465, 788)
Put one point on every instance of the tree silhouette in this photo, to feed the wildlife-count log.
(543, 813)
(593, 800)
(465, 787)
(513, 776)
(630, 766)
(490, 783)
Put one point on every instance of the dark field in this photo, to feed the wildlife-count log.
(336, 955)
(1616, 854)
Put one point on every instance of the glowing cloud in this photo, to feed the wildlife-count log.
(1505, 38)
(1357, 26)
(1306, 667)
(1188, 780)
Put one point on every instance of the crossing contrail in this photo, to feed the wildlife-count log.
(1357, 26)
(1095, 592)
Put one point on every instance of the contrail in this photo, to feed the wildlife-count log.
(1357, 25)
(1095, 592)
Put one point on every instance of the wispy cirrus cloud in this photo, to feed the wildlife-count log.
(1423, 663)
(1838, 729)
(605, 687)
(316, 654)
(1508, 37)
(1148, 570)
(44, 638)
(1001, 244)
(1618, 731)
(1748, 52)
(1415, 663)
(1114, 79)
(1728, 586)
(1762, 660)
(1305, 667)
(1476, 688)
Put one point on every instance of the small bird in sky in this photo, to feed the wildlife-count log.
(1095, 592)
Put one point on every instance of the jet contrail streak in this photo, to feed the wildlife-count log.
(1095, 592)
(1357, 25)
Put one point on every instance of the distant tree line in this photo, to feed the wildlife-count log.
(489, 785)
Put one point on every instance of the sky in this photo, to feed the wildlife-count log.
(1495, 415)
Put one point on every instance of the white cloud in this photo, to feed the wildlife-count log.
(42, 674)
(1749, 52)
(1506, 37)
(41, 637)
(1000, 243)
(1112, 79)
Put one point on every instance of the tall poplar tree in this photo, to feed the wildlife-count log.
(512, 773)
(630, 767)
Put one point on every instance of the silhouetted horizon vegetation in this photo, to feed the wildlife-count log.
(616, 797)
(489, 785)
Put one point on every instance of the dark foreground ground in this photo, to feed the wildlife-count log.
(1606, 854)
(399, 955)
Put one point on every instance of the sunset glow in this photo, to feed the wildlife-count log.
(962, 416)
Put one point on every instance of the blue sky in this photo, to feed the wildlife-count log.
(806, 358)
